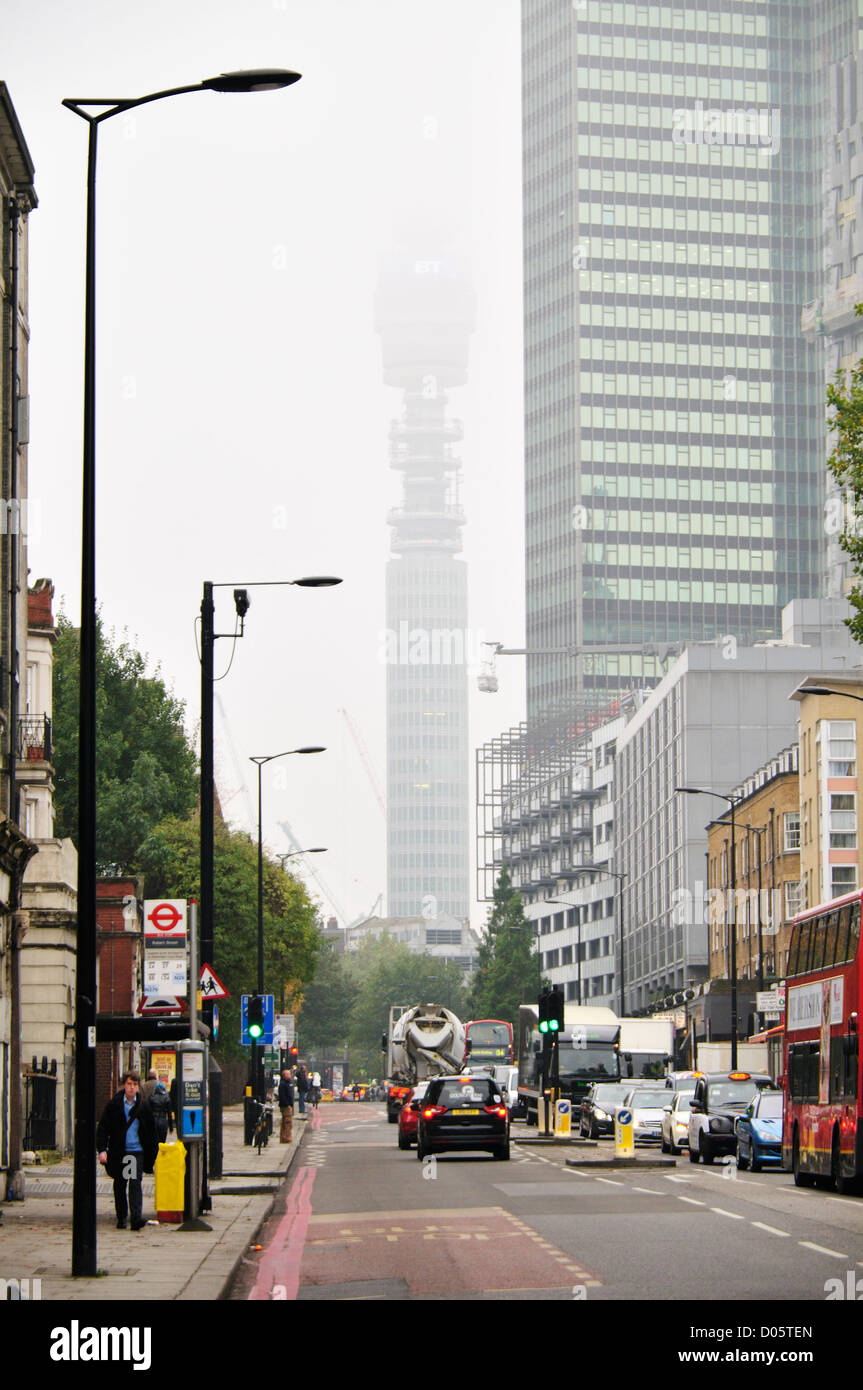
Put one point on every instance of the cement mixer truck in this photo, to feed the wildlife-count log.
(422, 1041)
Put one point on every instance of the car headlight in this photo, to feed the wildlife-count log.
(720, 1125)
(600, 1114)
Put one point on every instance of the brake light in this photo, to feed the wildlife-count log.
(496, 1110)
(432, 1110)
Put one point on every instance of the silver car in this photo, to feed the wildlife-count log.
(647, 1105)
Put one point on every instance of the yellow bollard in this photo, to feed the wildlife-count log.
(170, 1173)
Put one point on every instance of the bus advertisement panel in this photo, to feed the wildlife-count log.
(823, 1136)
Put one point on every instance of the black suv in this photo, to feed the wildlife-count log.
(463, 1112)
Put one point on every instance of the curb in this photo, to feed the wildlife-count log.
(215, 1282)
(553, 1139)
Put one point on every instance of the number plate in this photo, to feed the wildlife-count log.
(465, 1112)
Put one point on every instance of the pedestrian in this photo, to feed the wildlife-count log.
(302, 1088)
(150, 1084)
(127, 1146)
(315, 1088)
(160, 1104)
(286, 1105)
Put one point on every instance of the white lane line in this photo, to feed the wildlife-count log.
(650, 1190)
(773, 1230)
(720, 1211)
(693, 1201)
(611, 1182)
(822, 1250)
(669, 1178)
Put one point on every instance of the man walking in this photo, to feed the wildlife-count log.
(302, 1088)
(127, 1146)
(286, 1105)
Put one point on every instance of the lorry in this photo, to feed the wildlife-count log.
(588, 1050)
(422, 1041)
(646, 1047)
(716, 1057)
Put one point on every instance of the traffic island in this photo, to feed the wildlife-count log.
(544, 1140)
(622, 1163)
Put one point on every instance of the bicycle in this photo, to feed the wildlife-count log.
(261, 1133)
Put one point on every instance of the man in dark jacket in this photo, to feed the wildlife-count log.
(127, 1145)
(286, 1105)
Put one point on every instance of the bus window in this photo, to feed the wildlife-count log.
(854, 935)
(831, 933)
(793, 949)
(816, 945)
(842, 935)
(802, 964)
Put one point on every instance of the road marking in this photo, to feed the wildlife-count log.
(650, 1190)
(669, 1178)
(611, 1182)
(772, 1229)
(720, 1211)
(693, 1201)
(822, 1250)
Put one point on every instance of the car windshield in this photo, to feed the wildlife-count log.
(770, 1106)
(649, 1100)
(471, 1091)
(683, 1104)
(732, 1093)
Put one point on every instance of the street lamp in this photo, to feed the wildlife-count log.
(256, 1077)
(294, 853)
(84, 1182)
(732, 802)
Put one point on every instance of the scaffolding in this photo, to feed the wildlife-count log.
(535, 795)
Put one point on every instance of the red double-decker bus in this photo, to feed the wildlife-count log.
(822, 1133)
(491, 1042)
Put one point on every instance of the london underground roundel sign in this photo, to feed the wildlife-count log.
(164, 918)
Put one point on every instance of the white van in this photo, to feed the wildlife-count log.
(507, 1079)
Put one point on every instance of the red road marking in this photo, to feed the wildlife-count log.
(279, 1269)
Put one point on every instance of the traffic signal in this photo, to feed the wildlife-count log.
(255, 1016)
(293, 1052)
(551, 1010)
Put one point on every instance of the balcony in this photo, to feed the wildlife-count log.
(34, 738)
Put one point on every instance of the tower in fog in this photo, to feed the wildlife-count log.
(424, 314)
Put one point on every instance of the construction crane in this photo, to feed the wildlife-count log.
(366, 761)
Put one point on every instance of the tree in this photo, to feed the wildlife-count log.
(325, 1019)
(845, 397)
(507, 973)
(145, 767)
(170, 860)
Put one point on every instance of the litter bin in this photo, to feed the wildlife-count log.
(170, 1173)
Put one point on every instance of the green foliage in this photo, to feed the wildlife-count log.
(170, 861)
(845, 398)
(387, 972)
(507, 973)
(145, 768)
(325, 1021)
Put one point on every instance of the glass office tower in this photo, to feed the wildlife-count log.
(674, 407)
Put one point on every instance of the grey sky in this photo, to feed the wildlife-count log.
(242, 413)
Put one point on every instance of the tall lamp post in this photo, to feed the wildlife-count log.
(84, 1183)
(732, 868)
(256, 1069)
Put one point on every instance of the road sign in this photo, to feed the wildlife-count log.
(211, 985)
(563, 1118)
(286, 1029)
(160, 1004)
(164, 919)
(624, 1144)
(268, 1037)
(769, 1001)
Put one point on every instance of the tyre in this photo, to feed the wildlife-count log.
(674, 1148)
(393, 1119)
(846, 1187)
(665, 1146)
(421, 1153)
(693, 1154)
(741, 1157)
(502, 1150)
(801, 1179)
(403, 1143)
(705, 1149)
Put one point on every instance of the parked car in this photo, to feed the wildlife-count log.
(719, 1098)
(599, 1105)
(463, 1112)
(759, 1131)
(409, 1116)
(647, 1105)
(675, 1123)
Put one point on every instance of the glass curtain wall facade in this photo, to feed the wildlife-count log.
(674, 409)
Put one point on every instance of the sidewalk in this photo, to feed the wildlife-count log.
(160, 1262)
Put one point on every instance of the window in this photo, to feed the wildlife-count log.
(793, 898)
(843, 879)
(792, 830)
